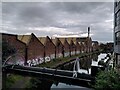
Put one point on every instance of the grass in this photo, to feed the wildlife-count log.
(55, 62)
(11, 79)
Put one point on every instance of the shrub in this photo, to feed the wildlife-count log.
(107, 80)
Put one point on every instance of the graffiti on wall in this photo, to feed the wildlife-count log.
(77, 52)
(59, 55)
(73, 53)
(82, 51)
(17, 59)
(52, 56)
(47, 59)
(36, 61)
(40, 60)
(19, 62)
(66, 54)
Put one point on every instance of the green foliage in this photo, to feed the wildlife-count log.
(10, 80)
(107, 80)
(37, 83)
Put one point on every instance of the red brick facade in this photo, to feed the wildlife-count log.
(78, 47)
(95, 46)
(49, 48)
(72, 47)
(66, 46)
(18, 45)
(34, 49)
(37, 50)
(59, 47)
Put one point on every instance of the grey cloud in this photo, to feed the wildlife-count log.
(24, 15)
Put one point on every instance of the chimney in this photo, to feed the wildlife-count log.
(88, 32)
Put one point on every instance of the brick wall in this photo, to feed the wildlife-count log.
(18, 45)
(72, 48)
(59, 48)
(78, 48)
(66, 48)
(35, 49)
(49, 48)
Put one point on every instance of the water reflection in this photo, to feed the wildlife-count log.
(85, 63)
(62, 85)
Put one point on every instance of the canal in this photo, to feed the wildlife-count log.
(62, 85)
(85, 64)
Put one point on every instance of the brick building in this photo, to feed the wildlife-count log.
(82, 47)
(66, 46)
(49, 48)
(87, 42)
(78, 47)
(95, 46)
(59, 47)
(34, 49)
(19, 57)
(72, 46)
(117, 31)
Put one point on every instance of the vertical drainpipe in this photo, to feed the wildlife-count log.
(88, 39)
(55, 51)
(70, 50)
(26, 54)
(75, 49)
(63, 51)
(44, 54)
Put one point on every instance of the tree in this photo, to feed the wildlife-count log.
(107, 80)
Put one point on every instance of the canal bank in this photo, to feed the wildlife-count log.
(59, 62)
(60, 66)
(55, 63)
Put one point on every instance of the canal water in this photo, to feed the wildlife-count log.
(62, 85)
(93, 62)
(85, 63)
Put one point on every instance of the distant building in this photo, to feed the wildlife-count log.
(117, 31)
(66, 46)
(59, 47)
(110, 46)
(95, 46)
(49, 48)
(87, 42)
(72, 46)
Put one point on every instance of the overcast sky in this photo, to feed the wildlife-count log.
(59, 18)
